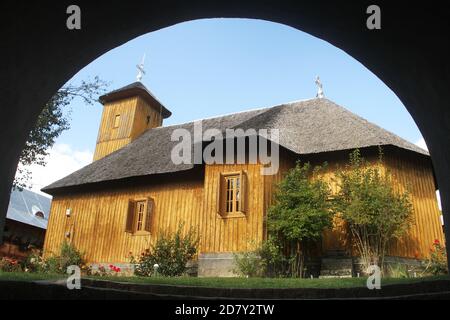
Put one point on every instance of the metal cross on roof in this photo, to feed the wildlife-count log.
(141, 71)
(320, 94)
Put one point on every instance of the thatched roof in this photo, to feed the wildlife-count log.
(306, 127)
(136, 89)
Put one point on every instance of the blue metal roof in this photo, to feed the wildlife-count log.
(23, 206)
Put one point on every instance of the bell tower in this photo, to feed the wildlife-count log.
(127, 113)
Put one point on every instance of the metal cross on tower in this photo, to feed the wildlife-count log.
(141, 71)
(320, 94)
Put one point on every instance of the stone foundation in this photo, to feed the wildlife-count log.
(216, 265)
(411, 265)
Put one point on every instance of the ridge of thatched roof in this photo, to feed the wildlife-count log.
(305, 127)
(135, 89)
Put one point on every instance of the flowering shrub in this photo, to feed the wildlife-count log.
(170, 252)
(67, 256)
(9, 265)
(100, 271)
(103, 271)
(34, 262)
(114, 269)
(437, 264)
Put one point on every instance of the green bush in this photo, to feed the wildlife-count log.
(170, 252)
(398, 271)
(300, 213)
(266, 261)
(374, 211)
(67, 256)
(35, 263)
(276, 264)
(248, 264)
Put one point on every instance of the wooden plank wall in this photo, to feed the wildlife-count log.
(415, 174)
(98, 220)
(133, 122)
(97, 223)
(238, 233)
(140, 124)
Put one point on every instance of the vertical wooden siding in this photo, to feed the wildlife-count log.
(111, 139)
(237, 233)
(415, 174)
(97, 223)
(133, 113)
(98, 220)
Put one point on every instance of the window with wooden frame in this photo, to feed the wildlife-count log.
(139, 216)
(116, 121)
(232, 194)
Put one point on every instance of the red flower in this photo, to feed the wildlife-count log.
(436, 242)
(118, 270)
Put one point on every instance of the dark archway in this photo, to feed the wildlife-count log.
(410, 54)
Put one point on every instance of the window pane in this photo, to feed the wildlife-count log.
(117, 121)
(232, 193)
(140, 215)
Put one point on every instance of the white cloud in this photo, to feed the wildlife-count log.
(61, 161)
(421, 143)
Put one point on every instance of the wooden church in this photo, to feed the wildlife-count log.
(132, 191)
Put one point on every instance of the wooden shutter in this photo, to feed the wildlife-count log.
(244, 192)
(221, 194)
(129, 225)
(149, 216)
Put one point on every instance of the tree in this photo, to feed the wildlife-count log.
(375, 213)
(52, 121)
(301, 212)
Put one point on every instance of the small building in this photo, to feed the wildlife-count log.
(134, 190)
(26, 223)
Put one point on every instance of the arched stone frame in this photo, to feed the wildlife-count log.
(409, 54)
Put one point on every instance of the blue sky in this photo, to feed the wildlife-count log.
(210, 67)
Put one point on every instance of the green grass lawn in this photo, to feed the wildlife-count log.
(264, 282)
(229, 282)
(25, 276)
